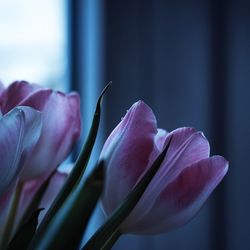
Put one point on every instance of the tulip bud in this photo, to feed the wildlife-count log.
(184, 181)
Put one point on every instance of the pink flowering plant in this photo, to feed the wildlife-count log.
(149, 181)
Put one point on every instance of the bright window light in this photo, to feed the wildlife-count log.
(33, 42)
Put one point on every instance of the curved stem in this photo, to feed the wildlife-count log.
(8, 230)
(111, 241)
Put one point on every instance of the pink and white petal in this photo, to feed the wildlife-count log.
(127, 153)
(68, 134)
(31, 187)
(73, 100)
(11, 138)
(61, 127)
(32, 126)
(18, 132)
(187, 147)
(187, 144)
(15, 93)
(183, 153)
(28, 192)
(160, 138)
(182, 198)
(32, 133)
(55, 186)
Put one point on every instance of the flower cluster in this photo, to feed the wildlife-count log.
(153, 181)
(38, 129)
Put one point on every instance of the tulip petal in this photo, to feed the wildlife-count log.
(131, 144)
(11, 133)
(187, 147)
(182, 198)
(31, 187)
(33, 127)
(61, 127)
(160, 138)
(19, 130)
(15, 93)
(55, 186)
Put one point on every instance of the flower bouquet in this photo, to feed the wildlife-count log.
(149, 181)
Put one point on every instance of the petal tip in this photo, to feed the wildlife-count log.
(221, 164)
(224, 163)
(141, 106)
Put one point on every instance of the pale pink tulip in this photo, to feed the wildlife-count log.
(20, 130)
(184, 181)
(31, 187)
(61, 124)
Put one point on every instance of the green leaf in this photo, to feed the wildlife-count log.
(25, 233)
(77, 171)
(66, 228)
(105, 234)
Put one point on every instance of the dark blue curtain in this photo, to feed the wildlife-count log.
(189, 60)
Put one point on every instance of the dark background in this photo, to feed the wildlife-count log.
(189, 60)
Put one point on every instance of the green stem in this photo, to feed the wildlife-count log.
(108, 244)
(111, 241)
(8, 230)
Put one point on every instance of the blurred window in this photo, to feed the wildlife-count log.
(33, 42)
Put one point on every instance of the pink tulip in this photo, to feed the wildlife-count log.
(61, 124)
(20, 130)
(31, 187)
(28, 191)
(184, 181)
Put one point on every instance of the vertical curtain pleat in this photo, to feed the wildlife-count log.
(238, 124)
(218, 110)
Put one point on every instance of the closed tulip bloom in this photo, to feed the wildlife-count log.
(184, 181)
(61, 124)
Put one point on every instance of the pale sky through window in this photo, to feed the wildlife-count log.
(33, 42)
